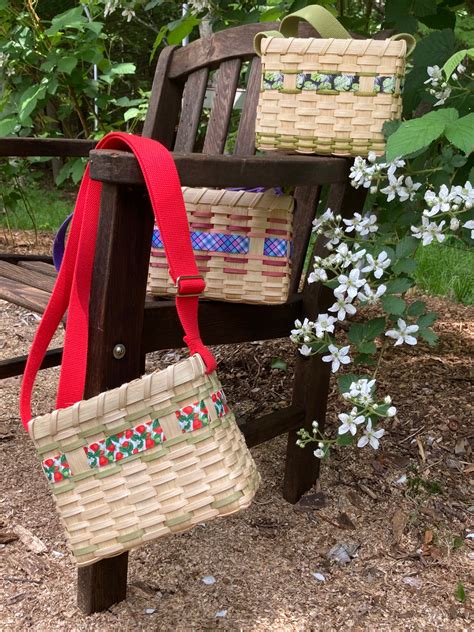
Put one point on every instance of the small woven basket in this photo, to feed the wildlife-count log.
(241, 242)
(331, 95)
(156, 456)
(328, 96)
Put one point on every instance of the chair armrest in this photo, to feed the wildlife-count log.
(121, 167)
(26, 147)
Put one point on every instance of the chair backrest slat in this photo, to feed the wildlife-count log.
(245, 142)
(222, 106)
(191, 108)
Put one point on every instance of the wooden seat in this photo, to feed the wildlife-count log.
(119, 311)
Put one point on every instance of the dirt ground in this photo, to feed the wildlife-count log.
(406, 509)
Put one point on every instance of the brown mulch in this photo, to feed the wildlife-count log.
(411, 535)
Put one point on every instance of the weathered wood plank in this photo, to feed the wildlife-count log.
(16, 258)
(245, 141)
(224, 45)
(223, 171)
(28, 147)
(219, 120)
(306, 199)
(39, 266)
(26, 277)
(165, 102)
(257, 430)
(116, 316)
(16, 366)
(30, 298)
(191, 108)
(220, 323)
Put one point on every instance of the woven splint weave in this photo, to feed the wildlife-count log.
(241, 242)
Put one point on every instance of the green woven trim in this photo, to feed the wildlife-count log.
(85, 550)
(67, 447)
(172, 522)
(115, 469)
(82, 475)
(298, 141)
(152, 456)
(93, 431)
(196, 438)
(50, 447)
(217, 504)
(61, 489)
(134, 535)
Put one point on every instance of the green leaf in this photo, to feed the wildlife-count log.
(181, 28)
(278, 363)
(442, 19)
(399, 286)
(344, 381)
(345, 439)
(73, 18)
(427, 320)
(416, 308)
(424, 7)
(461, 133)
(367, 347)
(393, 305)
(405, 266)
(123, 69)
(7, 125)
(374, 327)
(356, 333)
(29, 100)
(418, 133)
(454, 61)
(389, 127)
(434, 49)
(406, 247)
(429, 335)
(460, 592)
(130, 114)
(67, 64)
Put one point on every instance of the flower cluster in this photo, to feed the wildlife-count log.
(440, 88)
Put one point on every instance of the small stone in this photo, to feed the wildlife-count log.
(343, 553)
(414, 582)
(57, 554)
(221, 614)
(209, 580)
(319, 577)
(402, 480)
(150, 610)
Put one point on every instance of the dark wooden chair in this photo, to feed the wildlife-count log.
(120, 311)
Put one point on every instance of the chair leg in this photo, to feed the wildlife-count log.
(312, 376)
(311, 392)
(116, 316)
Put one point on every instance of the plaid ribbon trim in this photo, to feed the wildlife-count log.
(228, 243)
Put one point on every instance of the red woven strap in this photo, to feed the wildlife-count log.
(73, 285)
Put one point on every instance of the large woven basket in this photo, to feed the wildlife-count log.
(156, 456)
(327, 96)
(241, 242)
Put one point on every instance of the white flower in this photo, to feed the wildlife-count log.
(350, 284)
(440, 203)
(337, 356)
(361, 391)
(129, 14)
(461, 69)
(429, 231)
(442, 94)
(361, 173)
(324, 323)
(318, 453)
(334, 235)
(343, 306)
(318, 274)
(391, 412)
(470, 226)
(387, 399)
(402, 334)
(369, 296)
(408, 190)
(377, 266)
(110, 7)
(327, 216)
(393, 188)
(305, 350)
(454, 224)
(315, 425)
(304, 328)
(370, 436)
(368, 225)
(350, 422)
(435, 75)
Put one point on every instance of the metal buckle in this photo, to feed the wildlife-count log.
(191, 276)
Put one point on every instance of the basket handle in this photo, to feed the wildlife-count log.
(324, 23)
(73, 285)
